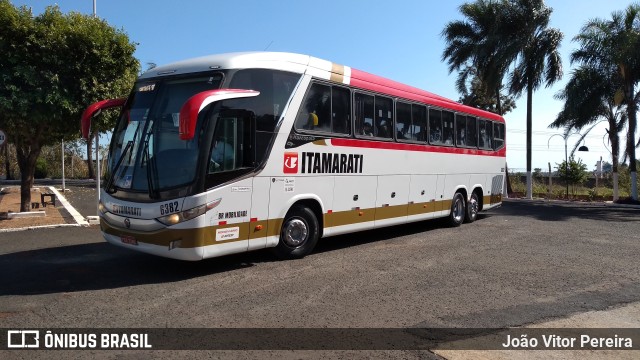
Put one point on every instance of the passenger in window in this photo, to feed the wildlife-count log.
(383, 130)
(400, 135)
(436, 136)
(367, 129)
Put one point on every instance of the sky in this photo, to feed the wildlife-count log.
(399, 39)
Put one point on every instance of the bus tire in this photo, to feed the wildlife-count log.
(472, 208)
(299, 233)
(458, 210)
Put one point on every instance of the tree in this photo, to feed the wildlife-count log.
(507, 38)
(616, 43)
(474, 93)
(52, 66)
(589, 97)
(576, 174)
(472, 45)
(534, 50)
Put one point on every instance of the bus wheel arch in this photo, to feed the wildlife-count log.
(300, 231)
(458, 208)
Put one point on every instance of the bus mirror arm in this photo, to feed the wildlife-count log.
(192, 107)
(95, 109)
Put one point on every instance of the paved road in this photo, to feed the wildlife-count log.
(523, 263)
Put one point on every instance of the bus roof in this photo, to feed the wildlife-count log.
(318, 68)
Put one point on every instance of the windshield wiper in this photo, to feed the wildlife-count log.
(112, 175)
(150, 171)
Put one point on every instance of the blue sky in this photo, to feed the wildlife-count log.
(397, 39)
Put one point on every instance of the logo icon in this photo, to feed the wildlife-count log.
(290, 163)
(21, 339)
(127, 222)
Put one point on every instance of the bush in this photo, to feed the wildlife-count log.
(41, 171)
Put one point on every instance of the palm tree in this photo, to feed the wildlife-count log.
(500, 34)
(473, 92)
(534, 50)
(472, 46)
(617, 41)
(590, 97)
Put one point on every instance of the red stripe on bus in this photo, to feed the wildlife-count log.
(364, 80)
(253, 220)
(415, 147)
(222, 223)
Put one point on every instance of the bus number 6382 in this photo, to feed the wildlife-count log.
(169, 208)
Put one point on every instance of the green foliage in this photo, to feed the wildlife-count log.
(575, 174)
(475, 92)
(41, 171)
(52, 67)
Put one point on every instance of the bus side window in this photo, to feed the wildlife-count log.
(403, 121)
(435, 127)
(419, 122)
(461, 125)
(447, 127)
(364, 114)
(314, 114)
(384, 117)
(498, 135)
(340, 110)
(472, 132)
(485, 134)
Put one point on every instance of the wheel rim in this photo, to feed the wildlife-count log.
(458, 210)
(295, 232)
(473, 207)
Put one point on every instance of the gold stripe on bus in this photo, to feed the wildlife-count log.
(337, 73)
(493, 199)
(390, 212)
(340, 218)
(198, 237)
(426, 207)
(321, 142)
(190, 237)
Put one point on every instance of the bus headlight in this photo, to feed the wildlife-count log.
(185, 215)
(101, 208)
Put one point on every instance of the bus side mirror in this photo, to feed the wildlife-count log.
(95, 109)
(192, 107)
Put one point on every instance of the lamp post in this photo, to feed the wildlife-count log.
(566, 137)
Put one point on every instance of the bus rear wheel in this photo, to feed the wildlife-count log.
(299, 233)
(458, 210)
(472, 208)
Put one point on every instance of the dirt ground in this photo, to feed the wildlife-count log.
(10, 202)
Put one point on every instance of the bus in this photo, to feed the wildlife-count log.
(236, 152)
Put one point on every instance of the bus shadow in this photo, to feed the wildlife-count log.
(387, 233)
(100, 266)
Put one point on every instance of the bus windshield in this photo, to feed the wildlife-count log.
(147, 154)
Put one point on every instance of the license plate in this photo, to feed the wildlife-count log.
(128, 240)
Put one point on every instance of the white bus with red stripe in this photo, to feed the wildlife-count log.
(236, 152)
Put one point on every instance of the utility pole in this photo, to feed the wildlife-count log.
(97, 143)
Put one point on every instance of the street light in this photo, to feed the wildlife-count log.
(566, 137)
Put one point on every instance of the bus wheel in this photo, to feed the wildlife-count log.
(299, 233)
(458, 210)
(472, 208)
